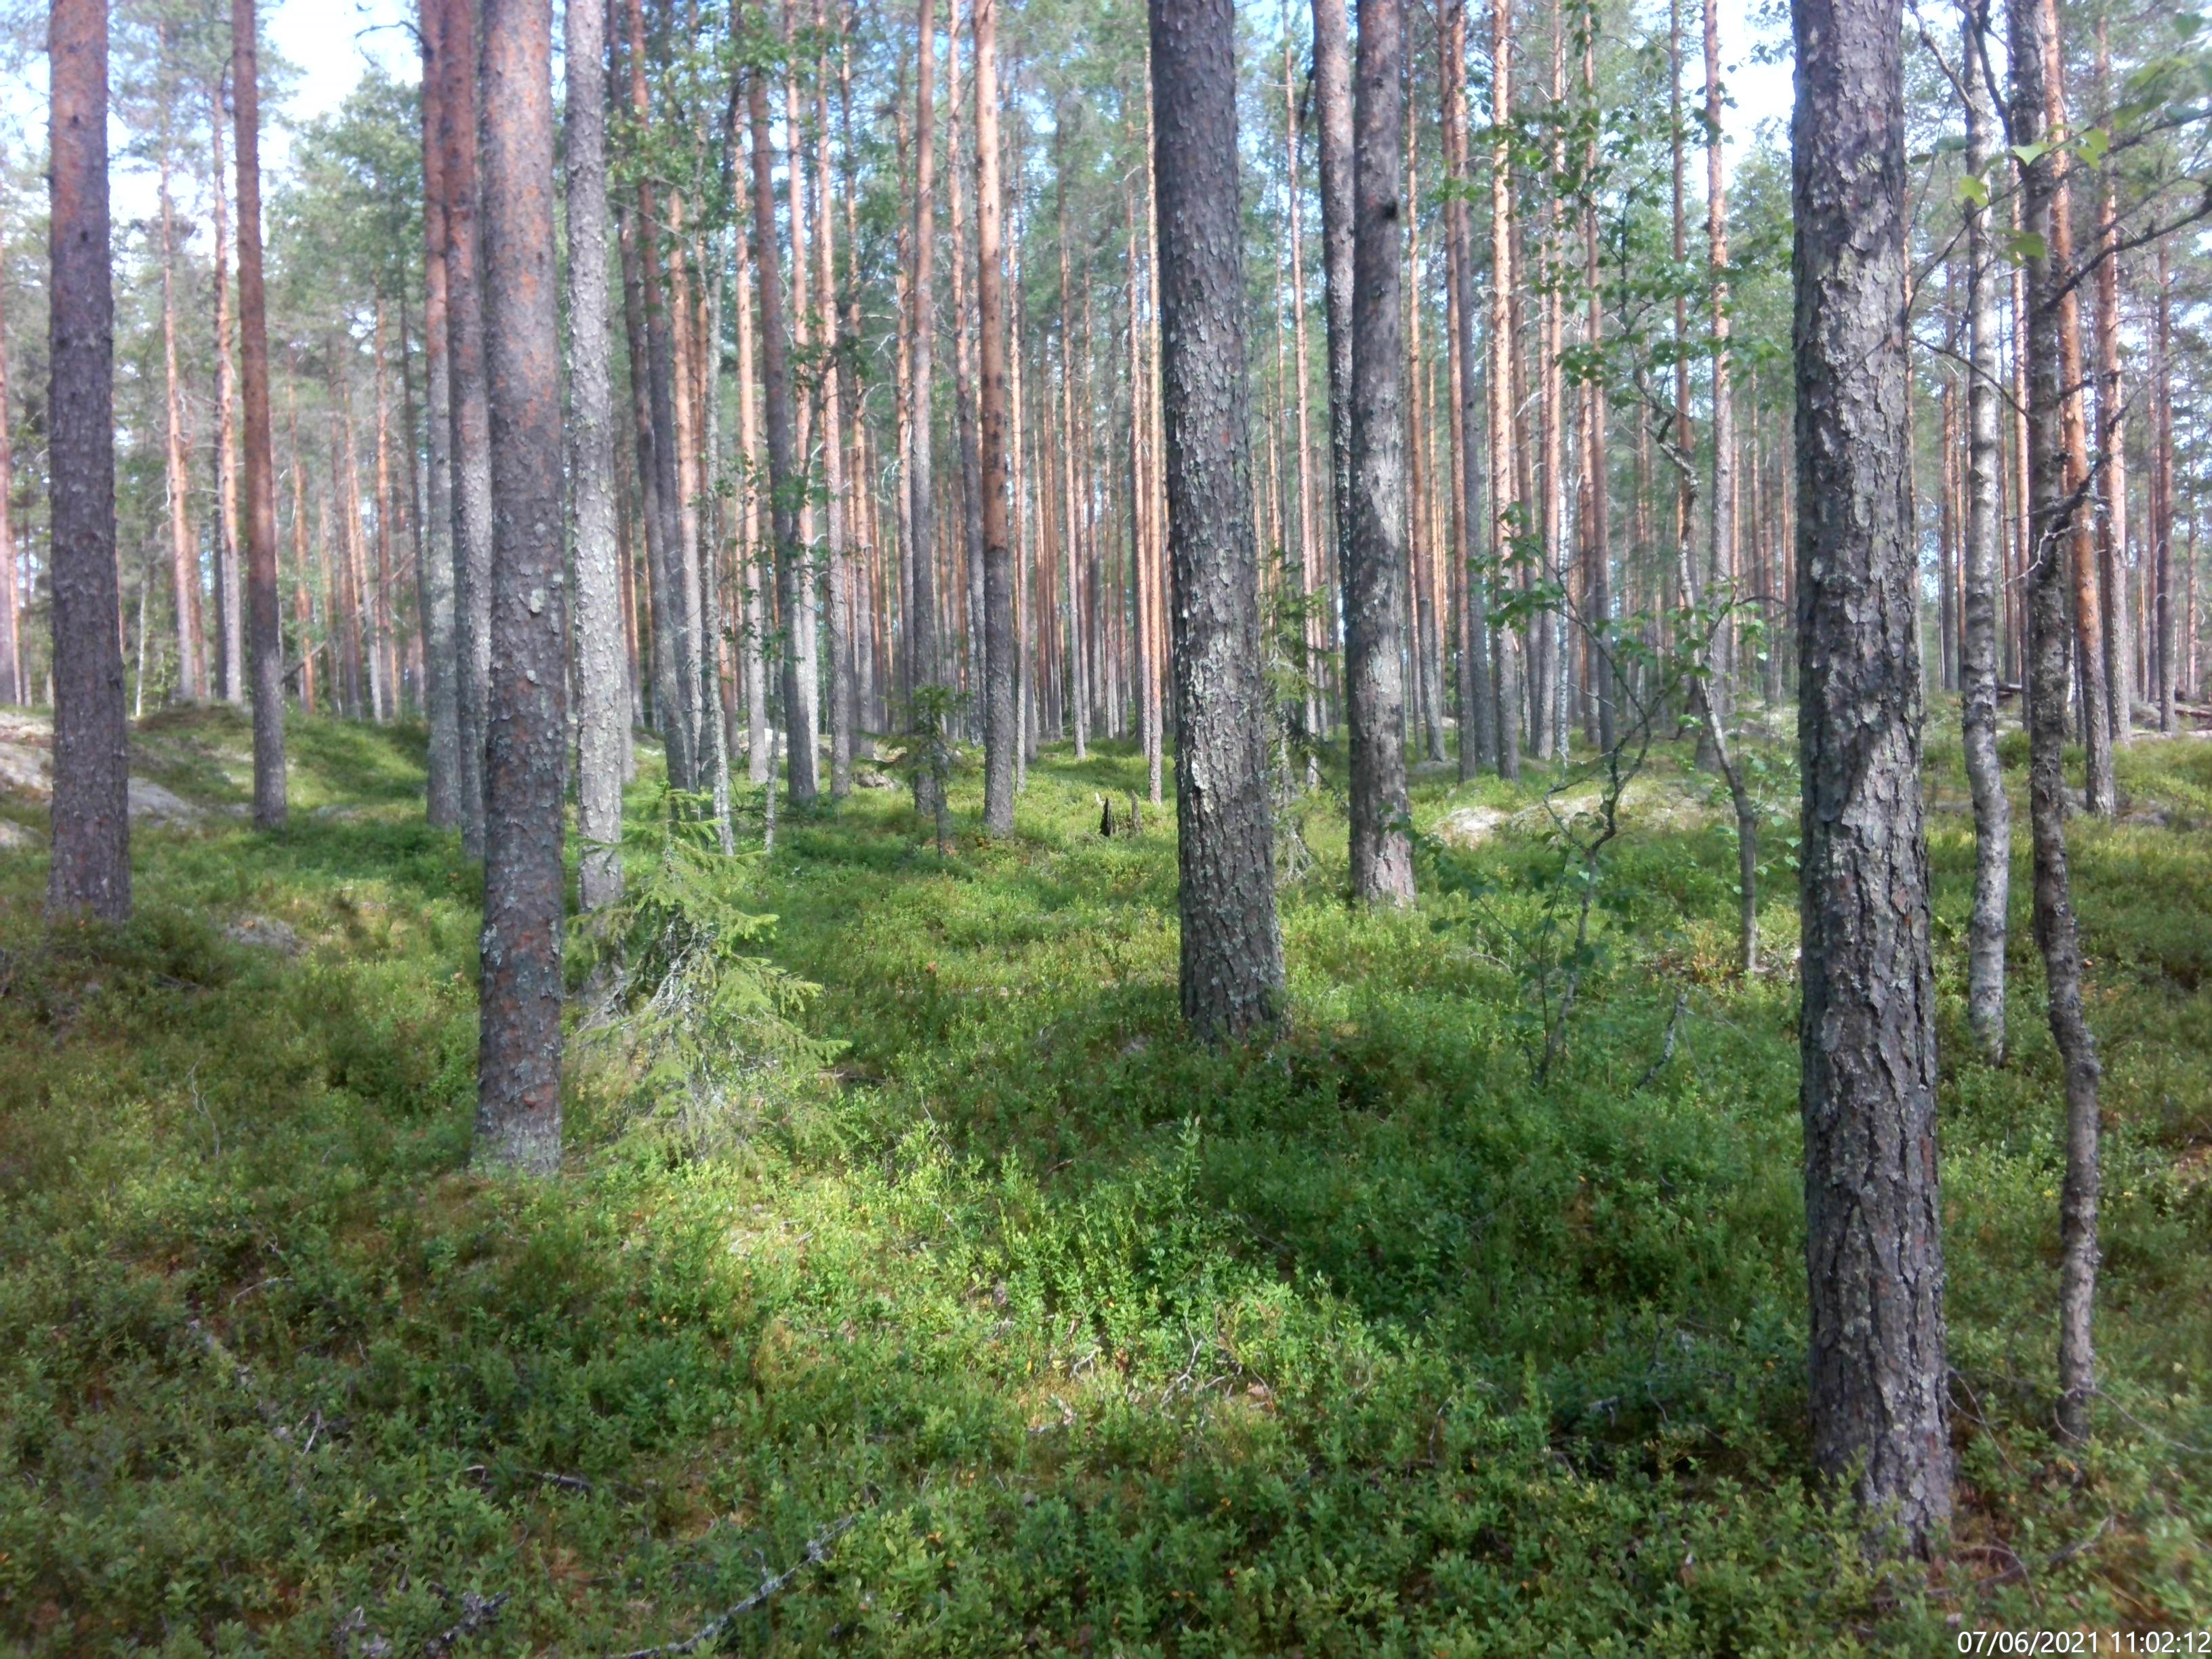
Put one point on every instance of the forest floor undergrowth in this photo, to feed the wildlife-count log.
(1384, 1337)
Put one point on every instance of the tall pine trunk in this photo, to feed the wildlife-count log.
(1867, 1031)
(1506, 500)
(793, 580)
(90, 870)
(1375, 561)
(268, 631)
(230, 623)
(1231, 951)
(519, 1058)
(1477, 719)
(184, 551)
(1332, 147)
(924, 673)
(440, 665)
(1001, 714)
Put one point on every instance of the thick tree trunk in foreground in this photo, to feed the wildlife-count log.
(1232, 953)
(1375, 555)
(1874, 1227)
(1332, 71)
(470, 415)
(519, 1059)
(266, 635)
(91, 867)
(602, 698)
(2055, 509)
(441, 671)
(1002, 733)
(1986, 949)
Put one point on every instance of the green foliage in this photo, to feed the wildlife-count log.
(1357, 1343)
(695, 1033)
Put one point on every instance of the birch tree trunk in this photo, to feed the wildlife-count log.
(1986, 928)
(1231, 951)
(1867, 1032)
(601, 714)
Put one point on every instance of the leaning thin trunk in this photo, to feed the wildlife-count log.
(2055, 507)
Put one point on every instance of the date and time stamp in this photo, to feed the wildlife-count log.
(2000, 1642)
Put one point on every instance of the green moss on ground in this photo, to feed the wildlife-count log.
(1362, 1342)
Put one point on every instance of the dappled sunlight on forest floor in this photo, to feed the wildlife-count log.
(1384, 1337)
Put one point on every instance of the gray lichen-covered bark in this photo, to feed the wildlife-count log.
(1232, 953)
(1986, 928)
(794, 576)
(1375, 553)
(519, 1057)
(265, 636)
(91, 824)
(2055, 505)
(602, 699)
(440, 676)
(470, 415)
(1867, 1031)
(1002, 734)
